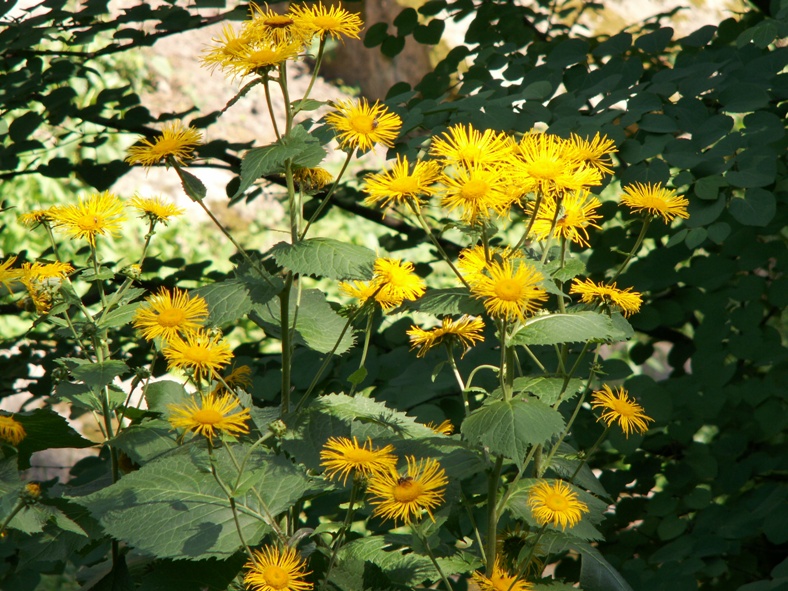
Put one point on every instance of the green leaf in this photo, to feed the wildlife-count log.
(376, 34)
(510, 427)
(306, 105)
(234, 298)
(193, 186)
(147, 440)
(575, 327)
(159, 394)
(447, 301)
(177, 575)
(548, 390)
(758, 207)
(571, 269)
(596, 573)
(98, 375)
(360, 408)
(429, 34)
(173, 508)
(302, 149)
(120, 316)
(317, 326)
(709, 187)
(45, 430)
(325, 257)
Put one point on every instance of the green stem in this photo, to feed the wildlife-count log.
(458, 377)
(436, 243)
(286, 96)
(635, 248)
(492, 515)
(524, 237)
(434, 561)
(550, 236)
(367, 338)
(337, 543)
(587, 455)
(315, 71)
(270, 105)
(527, 561)
(476, 369)
(504, 375)
(17, 508)
(511, 486)
(287, 348)
(99, 282)
(327, 198)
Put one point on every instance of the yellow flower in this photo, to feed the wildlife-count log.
(467, 330)
(11, 430)
(555, 504)
(545, 165)
(260, 57)
(334, 21)
(312, 179)
(156, 209)
(405, 497)
(595, 152)
(362, 291)
(577, 211)
(96, 214)
(36, 217)
(276, 570)
(463, 145)
(627, 300)
(473, 261)
(510, 291)
(476, 191)
(166, 314)
(400, 184)
(32, 491)
(240, 377)
(42, 281)
(213, 413)
(618, 407)
(229, 44)
(397, 281)
(281, 29)
(501, 580)
(200, 352)
(445, 428)
(176, 143)
(340, 456)
(360, 126)
(656, 200)
(9, 275)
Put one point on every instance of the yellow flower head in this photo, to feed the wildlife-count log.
(362, 291)
(556, 504)
(340, 456)
(260, 57)
(401, 185)
(166, 314)
(312, 179)
(626, 300)
(213, 413)
(576, 212)
(228, 45)
(42, 281)
(445, 428)
(276, 570)
(405, 497)
(281, 29)
(96, 214)
(544, 164)
(9, 275)
(200, 352)
(327, 22)
(595, 152)
(239, 377)
(465, 146)
(359, 125)
(619, 408)
(36, 217)
(397, 281)
(32, 491)
(156, 209)
(467, 330)
(475, 192)
(11, 430)
(656, 200)
(501, 580)
(509, 291)
(473, 261)
(176, 142)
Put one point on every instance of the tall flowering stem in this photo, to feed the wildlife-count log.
(325, 201)
(635, 247)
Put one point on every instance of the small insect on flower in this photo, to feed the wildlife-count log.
(406, 497)
(620, 408)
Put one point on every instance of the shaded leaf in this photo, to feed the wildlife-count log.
(325, 257)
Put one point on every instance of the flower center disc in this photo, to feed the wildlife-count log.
(556, 502)
(474, 190)
(508, 290)
(406, 185)
(207, 416)
(326, 23)
(362, 124)
(171, 317)
(545, 169)
(359, 456)
(263, 57)
(197, 354)
(89, 222)
(407, 491)
(278, 22)
(276, 576)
